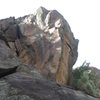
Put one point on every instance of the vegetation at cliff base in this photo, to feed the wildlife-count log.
(84, 80)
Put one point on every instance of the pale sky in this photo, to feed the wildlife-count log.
(83, 17)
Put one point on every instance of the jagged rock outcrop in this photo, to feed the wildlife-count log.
(43, 40)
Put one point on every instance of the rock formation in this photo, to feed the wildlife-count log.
(34, 50)
(43, 40)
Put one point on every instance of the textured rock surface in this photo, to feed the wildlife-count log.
(24, 86)
(43, 40)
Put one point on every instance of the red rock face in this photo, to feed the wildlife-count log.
(43, 40)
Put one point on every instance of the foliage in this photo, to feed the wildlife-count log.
(83, 79)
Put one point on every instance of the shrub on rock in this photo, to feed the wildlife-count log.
(84, 79)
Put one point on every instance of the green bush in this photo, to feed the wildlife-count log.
(83, 80)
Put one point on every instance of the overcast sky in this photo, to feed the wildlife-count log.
(83, 17)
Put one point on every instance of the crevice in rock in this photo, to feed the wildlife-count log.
(17, 52)
(5, 72)
(19, 34)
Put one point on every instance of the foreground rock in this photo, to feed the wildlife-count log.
(43, 40)
(8, 61)
(23, 85)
